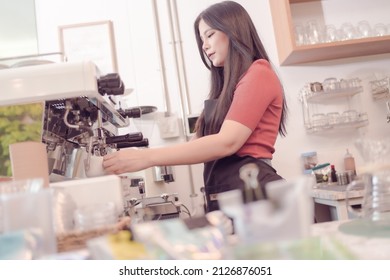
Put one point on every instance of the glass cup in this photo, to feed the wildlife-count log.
(354, 82)
(375, 179)
(333, 118)
(319, 120)
(364, 29)
(313, 32)
(330, 84)
(344, 84)
(300, 34)
(350, 116)
(331, 34)
(376, 200)
(380, 29)
(349, 31)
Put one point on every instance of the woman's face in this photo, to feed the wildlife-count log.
(215, 44)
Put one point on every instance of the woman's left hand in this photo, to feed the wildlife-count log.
(125, 160)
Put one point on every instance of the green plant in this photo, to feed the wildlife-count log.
(18, 123)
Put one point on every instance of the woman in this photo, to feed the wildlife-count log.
(242, 117)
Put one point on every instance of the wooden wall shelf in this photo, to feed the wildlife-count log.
(290, 54)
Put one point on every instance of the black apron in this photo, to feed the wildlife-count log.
(223, 174)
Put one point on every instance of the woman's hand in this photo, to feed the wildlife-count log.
(227, 142)
(125, 160)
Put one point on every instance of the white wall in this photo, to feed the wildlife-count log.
(17, 28)
(330, 147)
(139, 67)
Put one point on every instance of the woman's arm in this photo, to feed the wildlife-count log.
(228, 141)
(194, 137)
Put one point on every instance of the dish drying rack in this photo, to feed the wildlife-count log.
(332, 105)
(380, 89)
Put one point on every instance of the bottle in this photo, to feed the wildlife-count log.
(333, 175)
(349, 162)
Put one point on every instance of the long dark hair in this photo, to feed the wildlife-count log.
(245, 47)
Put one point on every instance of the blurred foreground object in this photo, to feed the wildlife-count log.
(286, 214)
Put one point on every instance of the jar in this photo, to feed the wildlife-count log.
(342, 178)
(316, 87)
(321, 172)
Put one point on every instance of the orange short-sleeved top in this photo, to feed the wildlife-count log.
(257, 104)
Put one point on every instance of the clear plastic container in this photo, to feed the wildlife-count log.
(309, 160)
(30, 211)
(95, 216)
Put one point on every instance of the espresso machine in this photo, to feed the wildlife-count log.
(80, 120)
(74, 129)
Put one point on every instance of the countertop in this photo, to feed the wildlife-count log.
(362, 239)
(335, 192)
(353, 239)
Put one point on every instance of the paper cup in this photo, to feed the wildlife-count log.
(29, 160)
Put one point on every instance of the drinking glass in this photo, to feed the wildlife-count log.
(333, 118)
(330, 33)
(364, 29)
(350, 116)
(380, 29)
(330, 84)
(348, 30)
(313, 32)
(319, 120)
(376, 200)
(300, 34)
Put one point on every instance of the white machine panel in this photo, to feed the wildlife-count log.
(47, 82)
(94, 191)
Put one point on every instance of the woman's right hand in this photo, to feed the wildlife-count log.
(125, 160)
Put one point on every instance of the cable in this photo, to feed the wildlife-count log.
(188, 211)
